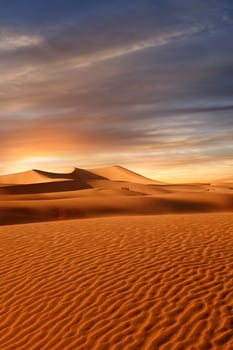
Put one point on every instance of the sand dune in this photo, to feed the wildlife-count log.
(30, 177)
(142, 283)
(119, 173)
(38, 176)
(42, 196)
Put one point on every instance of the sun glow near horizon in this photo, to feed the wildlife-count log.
(168, 174)
(29, 163)
(130, 83)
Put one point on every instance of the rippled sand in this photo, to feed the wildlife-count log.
(143, 282)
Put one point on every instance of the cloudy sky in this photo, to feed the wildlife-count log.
(147, 84)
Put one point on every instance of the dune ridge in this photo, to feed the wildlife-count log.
(36, 176)
(43, 196)
(145, 283)
(33, 176)
(119, 173)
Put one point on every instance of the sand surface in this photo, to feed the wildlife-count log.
(106, 259)
(119, 173)
(36, 195)
(143, 282)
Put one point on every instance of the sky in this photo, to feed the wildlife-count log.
(147, 84)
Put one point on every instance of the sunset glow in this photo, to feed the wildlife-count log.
(116, 174)
(144, 84)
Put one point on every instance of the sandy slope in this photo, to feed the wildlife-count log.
(94, 198)
(30, 177)
(141, 283)
(119, 173)
(42, 196)
(36, 176)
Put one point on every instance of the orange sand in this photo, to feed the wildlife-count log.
(123, 283)
(120, 278)
(36, 195)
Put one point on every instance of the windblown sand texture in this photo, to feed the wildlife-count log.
(139, 265)
(146, 282)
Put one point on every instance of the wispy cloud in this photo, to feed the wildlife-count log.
(133, 83)
(10, 40)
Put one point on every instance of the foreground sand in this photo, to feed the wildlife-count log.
(146, 282)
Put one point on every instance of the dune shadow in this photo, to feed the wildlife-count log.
(45, 187)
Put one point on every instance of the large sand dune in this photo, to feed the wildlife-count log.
(119, 173)
(36, 176)
(115, 172)
(29, 177)
(42, 196)
(123, 283)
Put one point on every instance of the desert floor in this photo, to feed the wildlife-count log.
(106, 259)
(123, 282)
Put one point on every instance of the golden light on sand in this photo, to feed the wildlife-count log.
(148, 258)
(116, 185)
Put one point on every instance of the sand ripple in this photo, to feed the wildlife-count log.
(123, 283)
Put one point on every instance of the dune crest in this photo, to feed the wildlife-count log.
(38, 195)
(113, 173)
(119, 173)
(33, 176)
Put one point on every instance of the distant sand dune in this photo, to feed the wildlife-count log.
(141, 283)
(38, 176)
(29, 177)
(42, 196)
(118, 173)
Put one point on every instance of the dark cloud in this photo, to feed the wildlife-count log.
(148, 78)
